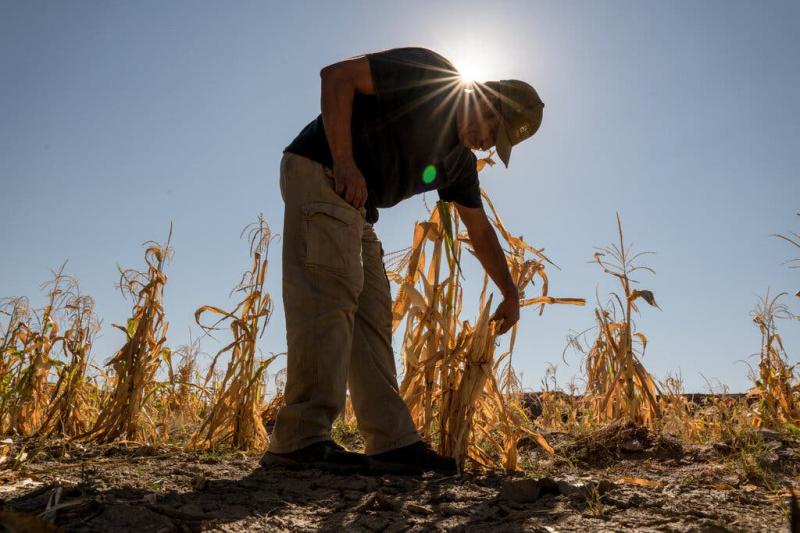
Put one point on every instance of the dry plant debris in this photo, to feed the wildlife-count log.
(461, 398)
(73, 406)
(235, 416)
(617, 384)
(128, 412)
(35, 336)
(776, 386)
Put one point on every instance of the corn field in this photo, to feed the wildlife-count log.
(458, 376)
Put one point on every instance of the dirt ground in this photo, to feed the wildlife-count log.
(630, 481)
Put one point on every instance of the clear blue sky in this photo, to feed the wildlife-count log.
(119, 117)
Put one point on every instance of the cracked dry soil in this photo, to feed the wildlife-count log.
(165, 489)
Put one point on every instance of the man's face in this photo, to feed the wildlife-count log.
(479, 129)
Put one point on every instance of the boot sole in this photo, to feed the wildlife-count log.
(381, 467)
(272, 460)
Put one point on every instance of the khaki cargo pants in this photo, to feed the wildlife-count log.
(338, 319)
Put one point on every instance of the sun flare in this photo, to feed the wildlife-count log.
(474, 63)
(471, 71)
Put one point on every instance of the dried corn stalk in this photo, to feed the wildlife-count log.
(31, 394)
(776, 387)
(618, 385)
(560, 409)
(450, 380)
(12, 352)
(235, 417)
(71, 410)
(128, 412)
(678, 415)
(270, 412)
(181, 401)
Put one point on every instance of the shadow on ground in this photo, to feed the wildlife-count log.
(164, 489)
(280, 499)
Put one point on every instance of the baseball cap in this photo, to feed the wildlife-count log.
(520, 114)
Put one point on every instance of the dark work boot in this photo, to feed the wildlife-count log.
(412, 459)
(325, 455)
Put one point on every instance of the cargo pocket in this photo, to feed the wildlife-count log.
(333, 237)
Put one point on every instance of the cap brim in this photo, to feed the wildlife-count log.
(503, 144)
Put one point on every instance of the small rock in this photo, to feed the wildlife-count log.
(528, 490)
(418, 509)
(145, 451)
(451, 509)
(582, 488)
(631, 445)
(668, 446)
(377, 502)
(572, 488)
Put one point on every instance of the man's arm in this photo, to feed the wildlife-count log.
(340, 82)
(491, 255)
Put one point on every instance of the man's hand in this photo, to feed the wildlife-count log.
(491, 255)
(507, 314)
(350, 184)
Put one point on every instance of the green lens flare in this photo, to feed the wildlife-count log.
(429, 174)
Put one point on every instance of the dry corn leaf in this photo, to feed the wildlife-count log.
(640, 481)
(646, 295)
(784, 493)
(552, 300)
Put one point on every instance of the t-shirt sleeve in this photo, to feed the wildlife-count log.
(462, 175)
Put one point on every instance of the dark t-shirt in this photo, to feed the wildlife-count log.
(405, 137)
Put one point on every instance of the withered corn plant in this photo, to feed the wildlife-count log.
(618, 385)
(181, 402)
(270, 412)
(679, 416)
(128, 411)
(234, 418)
(776, 387)
(452, 382)
(31, 394)
(16, 313)
(71, 409)
(561, 409)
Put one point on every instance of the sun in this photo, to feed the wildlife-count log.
(471, 70)
(475, 62)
